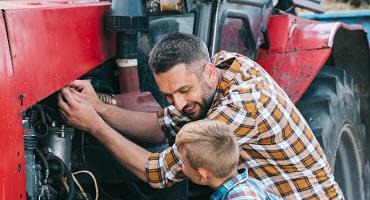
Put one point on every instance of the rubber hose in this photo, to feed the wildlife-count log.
(45, 163)
(68, 173)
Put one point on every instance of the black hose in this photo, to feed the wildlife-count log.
(68, 173)
(83, 149)
(45, 163)
(84, 163)
(41, 123)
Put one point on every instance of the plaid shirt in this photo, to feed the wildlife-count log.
(241, 187)
(276, 144)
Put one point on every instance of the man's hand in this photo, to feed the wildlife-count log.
(79, 113)
(84, 87)
(77, 110)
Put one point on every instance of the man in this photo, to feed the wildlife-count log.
(276, 144)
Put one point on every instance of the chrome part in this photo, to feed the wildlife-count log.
(59, 142)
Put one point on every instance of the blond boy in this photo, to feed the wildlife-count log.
(209, 154)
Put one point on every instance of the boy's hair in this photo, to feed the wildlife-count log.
(210, 145)
(176, 48)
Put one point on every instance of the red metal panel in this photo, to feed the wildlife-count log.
(12, 168)
(53, 44)
(298, 50)
(294, 71)
(291, 33)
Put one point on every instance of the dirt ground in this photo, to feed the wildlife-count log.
(336, 5)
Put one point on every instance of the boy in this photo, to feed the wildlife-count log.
(209, 154)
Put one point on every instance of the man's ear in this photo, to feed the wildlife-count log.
(210, 74)
(204, 175)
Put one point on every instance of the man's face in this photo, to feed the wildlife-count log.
(186, 90)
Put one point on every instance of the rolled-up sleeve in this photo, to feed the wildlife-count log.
(171, 120)
(164, 169)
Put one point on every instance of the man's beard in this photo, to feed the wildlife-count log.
(206, 101)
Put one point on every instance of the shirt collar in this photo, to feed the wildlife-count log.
(224, 188)
(226, 61)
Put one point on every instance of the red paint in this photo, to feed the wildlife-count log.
(12, 181)
(51, 46)
(294, 71)
(131, 97)
(128, 79)
(299, 49)
(43, 46)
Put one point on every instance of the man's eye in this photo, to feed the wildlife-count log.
(184, 90)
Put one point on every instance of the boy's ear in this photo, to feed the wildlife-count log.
(203, 175)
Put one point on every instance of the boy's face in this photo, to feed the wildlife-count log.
(191, 173)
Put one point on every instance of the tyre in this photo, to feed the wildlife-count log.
(333, 112)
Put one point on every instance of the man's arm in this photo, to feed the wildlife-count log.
(159, 169)
(80, 114)
(132, 156)
(139, 125)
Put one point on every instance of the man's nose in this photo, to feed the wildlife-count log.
(179, 102)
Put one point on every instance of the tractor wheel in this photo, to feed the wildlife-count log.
(333, 112)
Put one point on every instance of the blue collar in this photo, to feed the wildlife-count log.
(224, 188)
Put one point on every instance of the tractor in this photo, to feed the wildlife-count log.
(322, 66)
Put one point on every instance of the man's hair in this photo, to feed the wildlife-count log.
(210, 145)
(176, 48)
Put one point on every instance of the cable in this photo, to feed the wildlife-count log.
(80, 187)
(45, 163)
(65, 169)
(94, 180)
(84, 163)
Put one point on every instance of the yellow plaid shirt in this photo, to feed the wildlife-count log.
(277, 146)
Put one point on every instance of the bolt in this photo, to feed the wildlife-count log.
(21, 97)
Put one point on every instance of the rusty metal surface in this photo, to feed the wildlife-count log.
(53, 45)
(12, 168)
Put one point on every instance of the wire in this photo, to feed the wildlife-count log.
(64, 170)
(80, 187)
(94, 180)
(84, 163)
(45, 163)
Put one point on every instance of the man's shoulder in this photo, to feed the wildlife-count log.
(223, 56)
